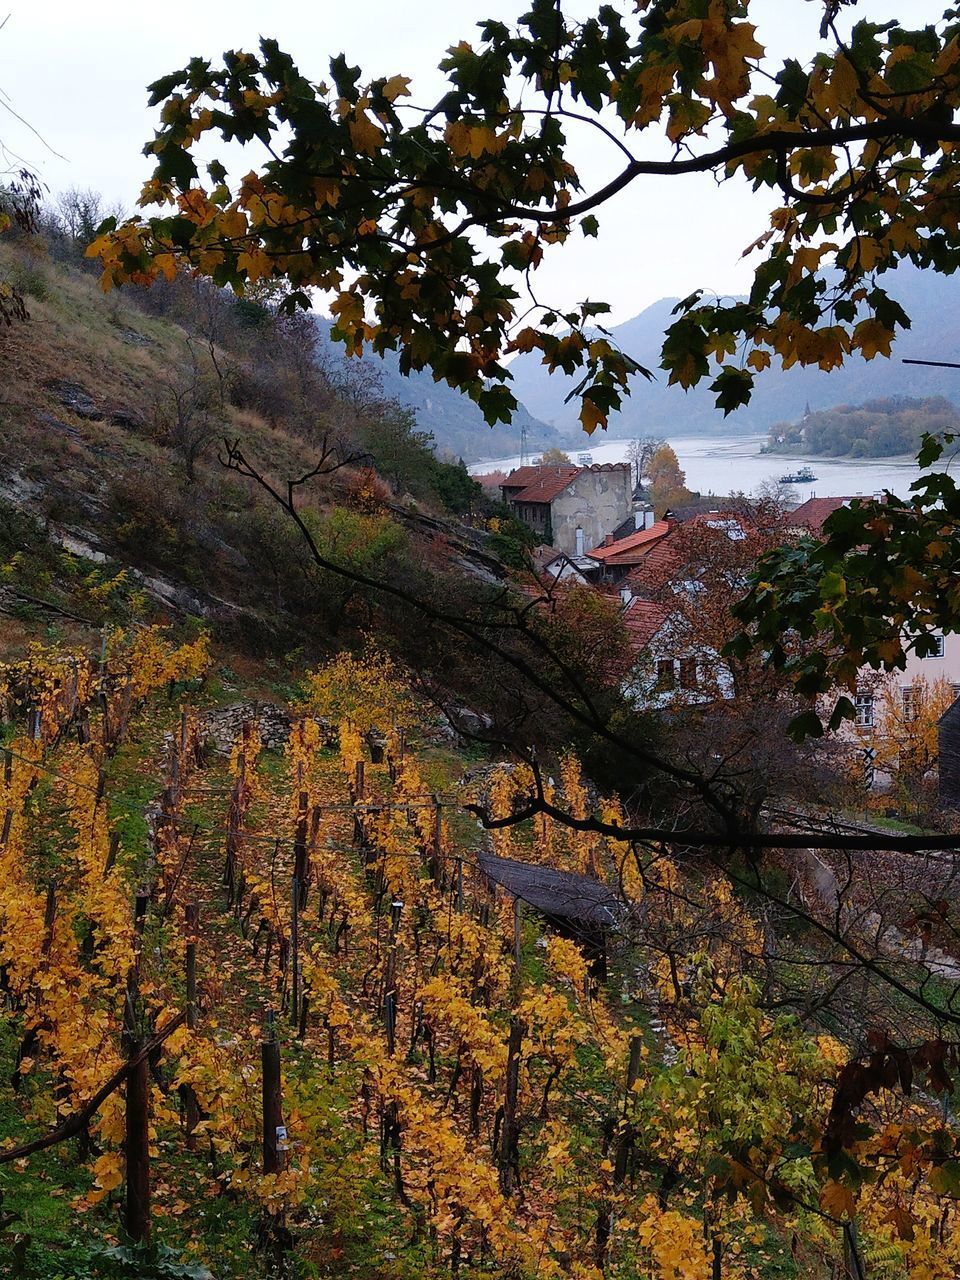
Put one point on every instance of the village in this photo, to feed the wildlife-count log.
(600, 527)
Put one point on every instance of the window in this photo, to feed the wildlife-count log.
(909, 704)
(864, 706)
(937, 651)
(666, 673)
(688, 673)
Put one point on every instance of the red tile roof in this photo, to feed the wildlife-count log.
(540, 484)
(664, 560)
(490, 479)
(643, 619)
(632, 548)
(812, 513)
(520, 477)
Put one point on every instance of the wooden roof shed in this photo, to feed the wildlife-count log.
(574, 906)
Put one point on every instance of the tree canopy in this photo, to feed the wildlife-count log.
(426, 223)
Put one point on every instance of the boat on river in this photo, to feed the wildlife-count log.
(803, 476)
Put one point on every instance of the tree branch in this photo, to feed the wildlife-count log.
(78, 1121)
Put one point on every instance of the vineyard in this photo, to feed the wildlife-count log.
(266, 1013)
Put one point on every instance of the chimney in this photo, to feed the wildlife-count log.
(639, 520)
(626, 595)
(579, 541)
(648, 518)
(608, 540)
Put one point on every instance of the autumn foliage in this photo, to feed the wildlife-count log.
(458, 1061)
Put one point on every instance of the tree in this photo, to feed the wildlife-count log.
(556, 455)
(425, 225)
(668, 483)
(716, 706)
(639, 454)
(79, 213)
(184, 413)
(775, 495)
(456, 487)
(20, 195)
(905, 738)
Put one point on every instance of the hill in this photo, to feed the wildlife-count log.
(931, 300)
(454, 421)
(114, 413)
(879, 428)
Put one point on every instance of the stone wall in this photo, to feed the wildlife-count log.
(597, 500)
(221, 726)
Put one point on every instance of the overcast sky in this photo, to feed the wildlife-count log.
(77, 72)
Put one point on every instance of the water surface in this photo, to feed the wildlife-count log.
(731, 464)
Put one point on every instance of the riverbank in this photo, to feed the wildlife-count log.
(737, 464)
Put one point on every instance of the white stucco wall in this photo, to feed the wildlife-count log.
(597, 500)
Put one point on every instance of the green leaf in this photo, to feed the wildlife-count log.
(733, 388)
(807, 725)
(945, 1179)
(931, 449)
(833, 585)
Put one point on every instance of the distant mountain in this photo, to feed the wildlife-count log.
(932, 301)
(457, 425)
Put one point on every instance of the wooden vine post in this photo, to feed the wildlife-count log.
(623, 1145)
(390, 978)
(509, 1161)
(274, 1133)
(191, 1107)
(301, 842)
(136, 1142)
(295, 952)
(358, 795)
(436, 860)
(234, 821)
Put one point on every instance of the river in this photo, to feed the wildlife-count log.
(731, 464)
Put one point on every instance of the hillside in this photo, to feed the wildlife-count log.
(114, 414)
(878, 428)
(931, 300)
(358, 1036)
(456, 424)
(275, 1002)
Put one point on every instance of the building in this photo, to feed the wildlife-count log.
(551, 565)
(619, 556)
(810, 515)
(571, 507)
(887, 705)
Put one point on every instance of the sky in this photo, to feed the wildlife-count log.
(77, 73)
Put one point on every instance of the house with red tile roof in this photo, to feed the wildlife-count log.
(571, 507)
(661, 594)
(810, 515)
(620, 556)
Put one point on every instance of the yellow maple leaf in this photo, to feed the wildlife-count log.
(396, 87)
(365, 135)
(872, 338)
(591, 416)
